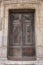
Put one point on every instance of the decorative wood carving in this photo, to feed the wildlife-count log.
(21, 35)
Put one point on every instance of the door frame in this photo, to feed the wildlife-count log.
(5, 22)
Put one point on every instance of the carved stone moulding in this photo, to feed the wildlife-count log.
(19, 64)
(20, 1)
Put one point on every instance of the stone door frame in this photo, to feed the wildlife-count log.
(8, 6)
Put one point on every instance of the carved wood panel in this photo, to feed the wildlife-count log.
(21, 35)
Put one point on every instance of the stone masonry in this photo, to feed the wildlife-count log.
(5, 5)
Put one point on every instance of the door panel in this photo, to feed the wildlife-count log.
(28, 52)
(16, 34)
(27, 28)
(15, 52)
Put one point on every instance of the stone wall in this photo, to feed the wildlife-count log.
(5, 5)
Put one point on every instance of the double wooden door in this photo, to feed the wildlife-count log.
(21, 38)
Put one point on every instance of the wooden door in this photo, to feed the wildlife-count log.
(21, 43)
